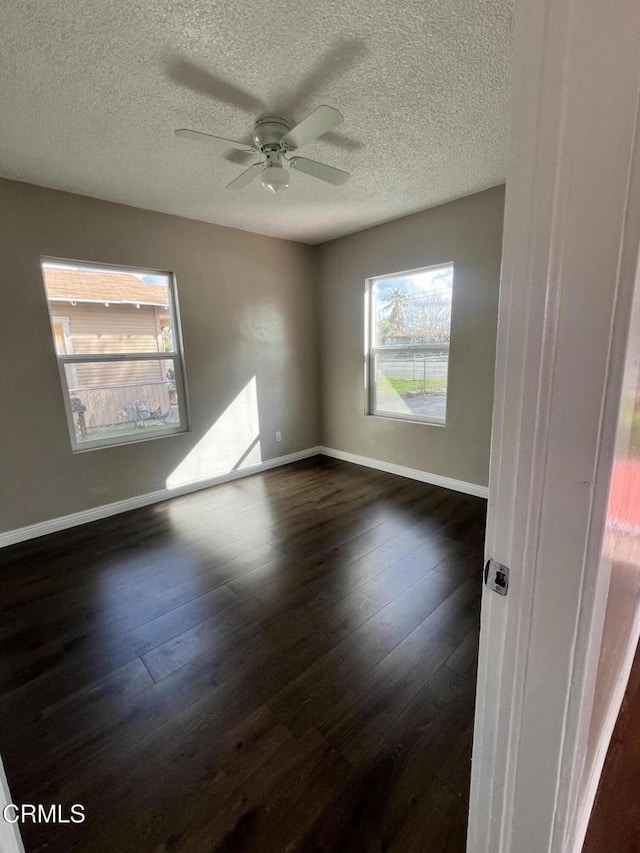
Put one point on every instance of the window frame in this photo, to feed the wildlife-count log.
(370, 350)
(71, 359)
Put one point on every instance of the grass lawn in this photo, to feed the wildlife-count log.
(403, 386)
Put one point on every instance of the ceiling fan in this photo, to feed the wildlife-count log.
(275, 140)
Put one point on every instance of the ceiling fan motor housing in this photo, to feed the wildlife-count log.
(274, 139)
(269, 132)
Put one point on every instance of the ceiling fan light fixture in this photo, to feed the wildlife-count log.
(275, 178)
(274, 140)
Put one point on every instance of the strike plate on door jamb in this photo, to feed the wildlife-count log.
(496, 577)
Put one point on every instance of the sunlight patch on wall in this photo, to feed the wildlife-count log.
(231, 444)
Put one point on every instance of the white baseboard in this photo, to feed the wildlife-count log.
(617, 695)
(11, 537)
(411, 473)
(52, 525)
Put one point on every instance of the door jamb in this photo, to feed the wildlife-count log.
(573, 138)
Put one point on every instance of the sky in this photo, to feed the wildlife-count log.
(435, 280)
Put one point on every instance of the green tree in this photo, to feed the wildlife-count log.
(397, 302)
(385, 330)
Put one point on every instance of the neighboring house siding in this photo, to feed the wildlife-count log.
(118, 328)
(107, 389)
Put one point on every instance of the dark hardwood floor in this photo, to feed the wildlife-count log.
(615, 819)
(282, 663)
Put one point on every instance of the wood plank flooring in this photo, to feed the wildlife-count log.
(282, 663)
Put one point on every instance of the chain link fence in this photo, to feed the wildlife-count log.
(423, 367)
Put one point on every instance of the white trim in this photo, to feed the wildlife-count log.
(403, 273)
(127, 438)
(558, 379)
(176, 356)
(22, 534)
(52, 525)
(68, 342)
(74, 300)
(575, 804)
(585, 807)
(407, 418)
(371, 350)
(96, 266)
(411, 473)
(10, 840)
(66, 332)
(88, 358)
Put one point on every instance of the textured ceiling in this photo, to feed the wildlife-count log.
(92, 90)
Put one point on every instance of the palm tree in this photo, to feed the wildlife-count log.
(397, 301)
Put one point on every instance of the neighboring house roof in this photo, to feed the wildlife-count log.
(65, 285)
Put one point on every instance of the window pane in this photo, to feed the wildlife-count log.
(112, 401)
(108, 311)
(411, 327)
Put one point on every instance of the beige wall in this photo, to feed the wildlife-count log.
(467, 232)
(249, 312)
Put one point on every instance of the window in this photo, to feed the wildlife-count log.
(117, 342)
(409, 326)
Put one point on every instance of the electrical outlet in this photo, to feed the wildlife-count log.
(278, 436)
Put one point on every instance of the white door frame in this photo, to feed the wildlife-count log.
(572, 223)
(10, 839)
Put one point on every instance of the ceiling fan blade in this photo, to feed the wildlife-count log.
(319, 170)
(245, 177)
(199, 136)
(314, 125)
